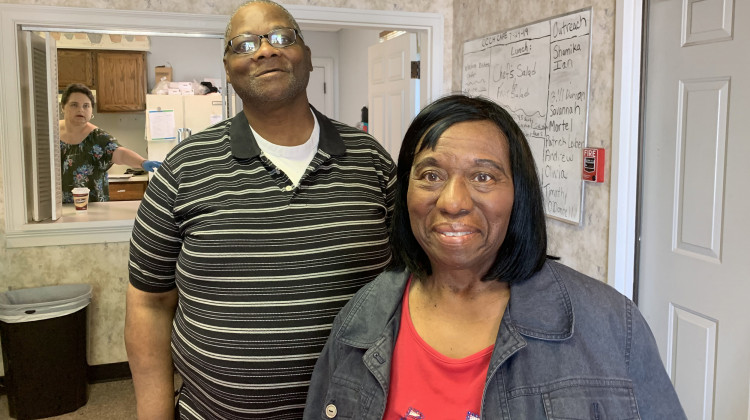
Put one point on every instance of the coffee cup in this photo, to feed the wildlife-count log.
(81, 198)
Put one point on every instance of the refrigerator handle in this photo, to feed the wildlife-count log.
(183, 133)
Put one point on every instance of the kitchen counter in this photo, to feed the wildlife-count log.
(100, 212)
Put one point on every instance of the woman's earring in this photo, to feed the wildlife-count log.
(92, 117)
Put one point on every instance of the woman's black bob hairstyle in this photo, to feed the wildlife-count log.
(523, 252)
(77, 88)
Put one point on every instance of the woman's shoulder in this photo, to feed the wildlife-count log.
(98, 132)
(101, 136)
(582, 283)
(589, 294)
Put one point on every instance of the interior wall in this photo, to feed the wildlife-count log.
(325, 44)
(191, 59)
(107, 264)
(353, 80)
(584, 246)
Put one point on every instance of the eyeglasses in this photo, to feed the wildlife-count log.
(250, 43)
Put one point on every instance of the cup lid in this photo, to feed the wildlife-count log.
(80, 190)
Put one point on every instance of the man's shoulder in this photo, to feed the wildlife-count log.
(215, 131)
(211, 143)
(206, 138)
(356, 139)
(348, 132)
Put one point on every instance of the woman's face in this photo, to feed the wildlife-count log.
(78, 109)
(460, 197)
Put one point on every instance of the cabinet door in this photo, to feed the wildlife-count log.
(75, 66)
(125, 191)
(121, 81)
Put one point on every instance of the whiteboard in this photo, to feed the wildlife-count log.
(540, 74)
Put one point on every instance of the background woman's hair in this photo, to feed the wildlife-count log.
(76, 88)
(524, 248)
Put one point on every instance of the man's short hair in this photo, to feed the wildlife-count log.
(289, 16)
(523, 251)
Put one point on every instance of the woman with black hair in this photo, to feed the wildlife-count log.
(474, 321)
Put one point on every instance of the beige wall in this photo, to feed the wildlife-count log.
(582, 247)
(105, 265)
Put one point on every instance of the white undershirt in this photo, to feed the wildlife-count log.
(292, 160)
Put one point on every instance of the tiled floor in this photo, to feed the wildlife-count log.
(107, 400)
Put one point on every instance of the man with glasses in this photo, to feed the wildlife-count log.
(252, 236)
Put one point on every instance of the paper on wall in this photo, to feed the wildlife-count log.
(161, 124)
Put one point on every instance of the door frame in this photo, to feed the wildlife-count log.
(624, 185)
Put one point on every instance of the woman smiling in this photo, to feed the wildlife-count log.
(474, 321)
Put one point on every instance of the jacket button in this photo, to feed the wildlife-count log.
(331, 411)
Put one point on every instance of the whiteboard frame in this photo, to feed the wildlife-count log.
(589, 9)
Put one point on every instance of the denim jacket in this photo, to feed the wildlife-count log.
(568, 347)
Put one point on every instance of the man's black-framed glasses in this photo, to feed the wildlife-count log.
(250, 43)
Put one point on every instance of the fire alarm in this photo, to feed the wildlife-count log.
(593, 164)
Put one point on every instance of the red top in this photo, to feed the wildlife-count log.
(427, 385)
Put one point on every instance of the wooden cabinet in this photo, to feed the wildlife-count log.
(121, 81)
(119, 77)
(75, 66)
(127, 190)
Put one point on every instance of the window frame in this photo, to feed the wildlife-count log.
(19, 232)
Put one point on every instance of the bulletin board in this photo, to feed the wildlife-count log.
(540, 74)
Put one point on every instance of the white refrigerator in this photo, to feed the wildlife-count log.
(172, 118)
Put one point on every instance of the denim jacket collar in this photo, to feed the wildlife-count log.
(373, 310)
(539, 307)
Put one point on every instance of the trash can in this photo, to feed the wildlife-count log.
(43, 336)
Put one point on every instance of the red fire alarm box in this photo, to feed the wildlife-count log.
(593, 164)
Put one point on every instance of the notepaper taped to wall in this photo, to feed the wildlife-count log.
(161, 124)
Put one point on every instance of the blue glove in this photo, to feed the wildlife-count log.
(151, 165)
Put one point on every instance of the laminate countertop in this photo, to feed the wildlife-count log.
(100, 212)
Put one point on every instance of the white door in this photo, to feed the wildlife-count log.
(320, 86)
(694, 270)
(391, 90)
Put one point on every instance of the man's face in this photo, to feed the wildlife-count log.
(269, 74)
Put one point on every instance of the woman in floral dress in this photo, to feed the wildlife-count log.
(87, 151)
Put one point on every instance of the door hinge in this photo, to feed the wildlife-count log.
(415, 69)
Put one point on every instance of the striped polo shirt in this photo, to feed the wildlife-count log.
(261, 266)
